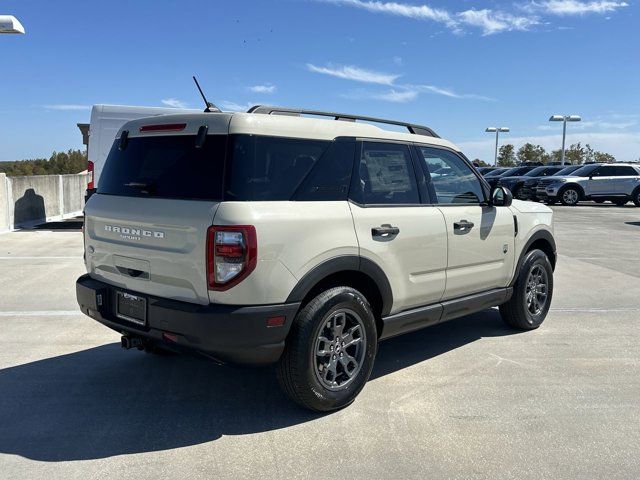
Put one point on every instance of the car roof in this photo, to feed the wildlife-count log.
(277, 125)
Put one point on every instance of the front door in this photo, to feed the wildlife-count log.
(480, 237)
(404, 237)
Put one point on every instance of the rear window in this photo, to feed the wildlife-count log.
(166, 167)
(228, 167)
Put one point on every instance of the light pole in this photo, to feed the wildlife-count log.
(497, 132)
(564, 119)
(10, 24)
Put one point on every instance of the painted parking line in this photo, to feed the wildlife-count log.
(40, 258)
(588, 310)
(43, 313)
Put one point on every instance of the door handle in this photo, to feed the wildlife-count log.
(463, 225)
(385, 230)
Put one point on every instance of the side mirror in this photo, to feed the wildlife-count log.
(501, 197)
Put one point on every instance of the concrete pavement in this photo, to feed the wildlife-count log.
(466, 399)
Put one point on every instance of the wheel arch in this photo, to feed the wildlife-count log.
(540, 240)
(352, 271)
(576, 186)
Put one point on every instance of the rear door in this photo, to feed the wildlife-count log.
(602, 181)
(480, 237)
(146, 228)
(406, 238)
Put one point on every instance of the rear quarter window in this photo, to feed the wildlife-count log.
(263, 168)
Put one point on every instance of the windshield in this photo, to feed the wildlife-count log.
(536, 172)
(165, 167)
(496, 172)
(566, 171)
(515, 172)
(585, 171)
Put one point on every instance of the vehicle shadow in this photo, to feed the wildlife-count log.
(103, 402)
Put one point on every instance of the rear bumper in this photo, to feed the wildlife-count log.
(236, 334)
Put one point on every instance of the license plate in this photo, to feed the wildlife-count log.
(131, 308)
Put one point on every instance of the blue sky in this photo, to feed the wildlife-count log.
(458, 66)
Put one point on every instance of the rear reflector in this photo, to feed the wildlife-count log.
(90, 168)
(276, 321)
(168, 127)
(170, 337)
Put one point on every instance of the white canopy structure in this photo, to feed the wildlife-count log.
(10, 24)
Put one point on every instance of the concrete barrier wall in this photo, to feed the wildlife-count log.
(4, 204)
(33, 200)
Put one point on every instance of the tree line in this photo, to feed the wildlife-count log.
(576, 154)
(59, 163)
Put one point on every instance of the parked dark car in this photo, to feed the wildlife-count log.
(528, 189)
(511, 172)
(515, 183)
(485, 170)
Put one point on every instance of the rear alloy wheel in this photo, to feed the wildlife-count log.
(532, 292)
(330, 350)
(570, 196)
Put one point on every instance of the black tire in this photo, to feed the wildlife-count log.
(636, 197)
(300, 370)
(570, 196)
(517, 312)
(517, 193)
(620, 203)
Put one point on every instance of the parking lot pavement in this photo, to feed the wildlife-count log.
(466, 399)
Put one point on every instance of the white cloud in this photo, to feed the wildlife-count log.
(419, 12)
(263, 88)
(174, 103)
(396, 96)
(400, 92)
(625, 146)
(350, 72)
(236, 107)
(491, 22)
(67, 107)
(576, 7)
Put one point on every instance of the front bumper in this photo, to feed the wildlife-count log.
(547, 192)
(229, 333)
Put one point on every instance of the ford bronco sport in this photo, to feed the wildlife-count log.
(272, 237)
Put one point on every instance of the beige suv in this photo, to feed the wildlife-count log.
(279, 236)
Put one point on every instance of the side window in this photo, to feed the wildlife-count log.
(451, 177)
(625, 171)
(268, 168)
(331, 175)
(385, 175)
(606, 171)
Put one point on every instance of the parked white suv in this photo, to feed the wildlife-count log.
(618, 183)
(271, 237)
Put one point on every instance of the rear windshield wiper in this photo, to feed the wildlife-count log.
(148, 188)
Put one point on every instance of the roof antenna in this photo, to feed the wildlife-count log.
(210, 106)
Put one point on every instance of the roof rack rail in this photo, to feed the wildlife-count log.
(269, 110)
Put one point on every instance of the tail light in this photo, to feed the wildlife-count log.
(90, 169)
(232, 254)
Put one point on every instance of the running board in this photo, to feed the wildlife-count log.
(422, 317)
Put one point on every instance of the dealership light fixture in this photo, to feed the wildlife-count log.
(564, 119)
(10, 24)
(497, 131)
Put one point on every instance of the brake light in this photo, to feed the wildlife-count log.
(232, 254)
(168, 127)
(90, 169)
